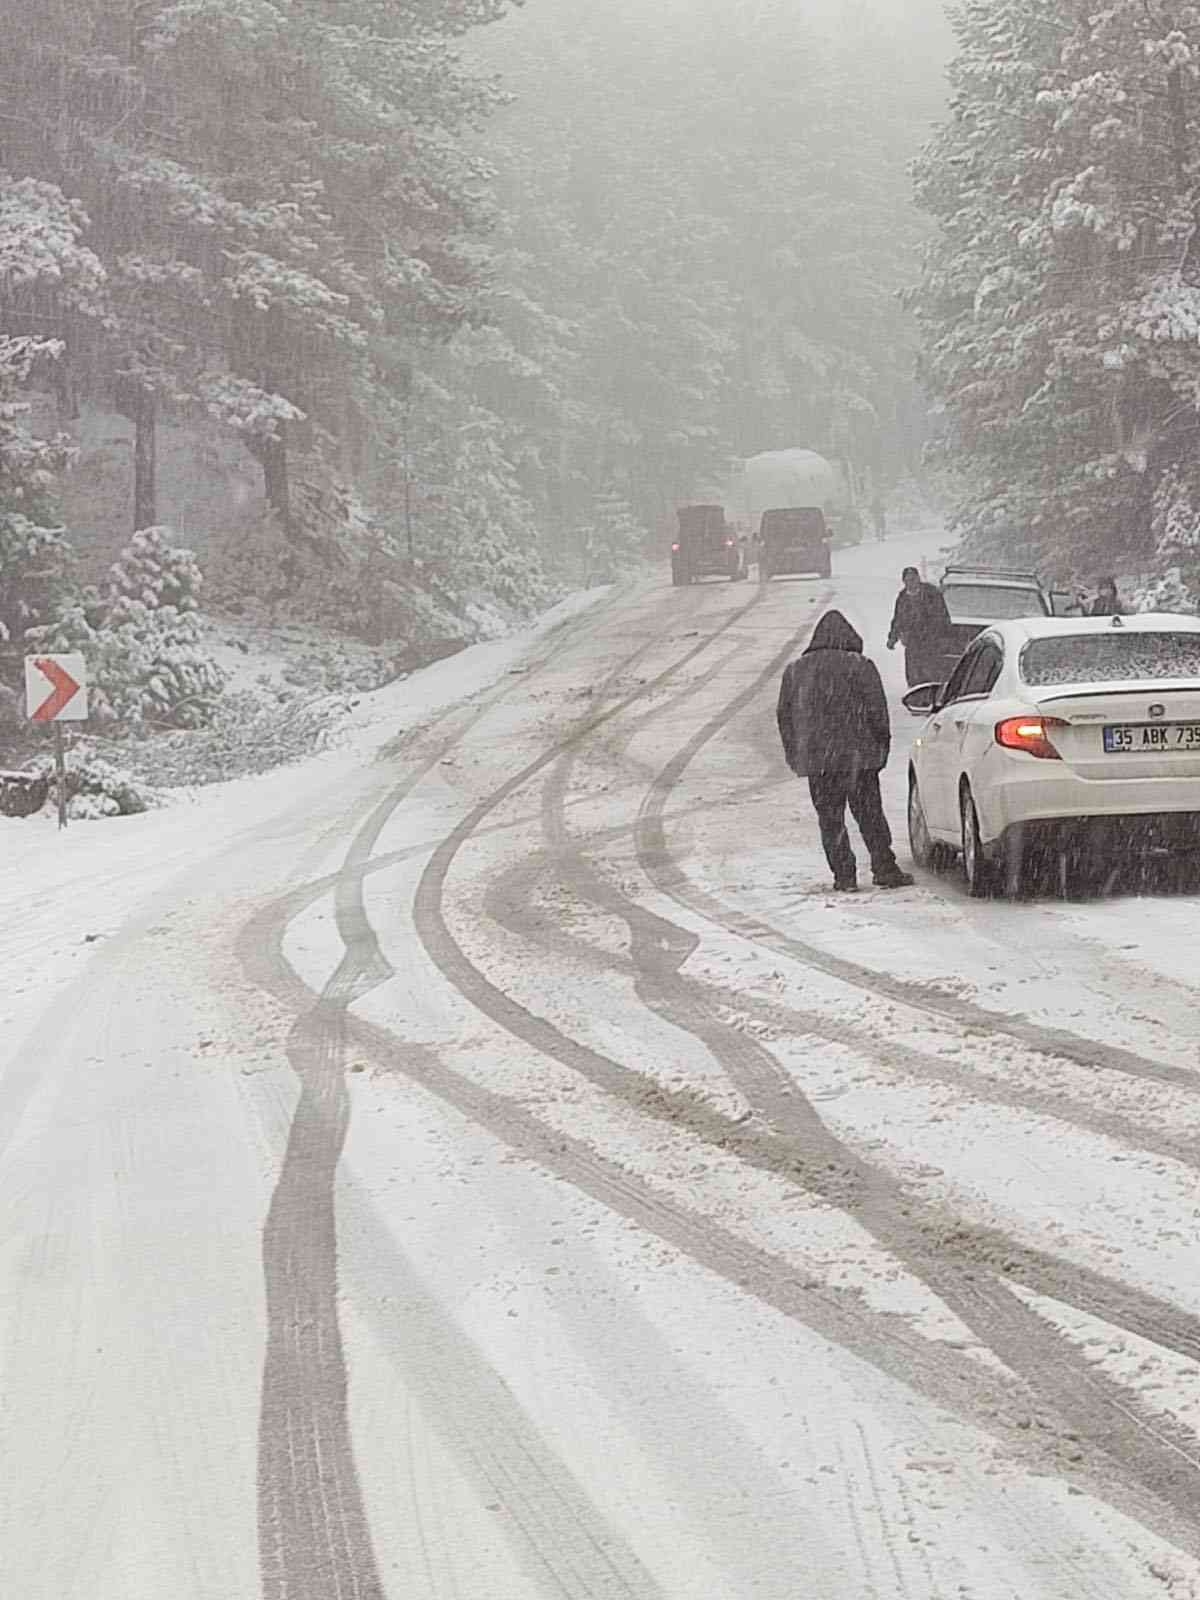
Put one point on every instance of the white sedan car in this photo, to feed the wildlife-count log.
(1075, 739)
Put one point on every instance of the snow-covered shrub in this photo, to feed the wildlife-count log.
(144, 651)
(1176, 533)
(1168, 592)
(97, 787)
(157, 573)
(145, 664)
(248, 733)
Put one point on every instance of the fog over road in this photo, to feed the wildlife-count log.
(488, 1162)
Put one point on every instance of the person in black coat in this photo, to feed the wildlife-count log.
(833, 720)
(1107, 602)
(922, 624)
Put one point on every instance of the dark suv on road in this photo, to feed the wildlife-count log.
(793, 540)
(705, 546)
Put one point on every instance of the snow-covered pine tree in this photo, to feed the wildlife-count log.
(273, 187)
(46, 275)
(476, 526)
(614, 542)
(351, 213)
(1060, 300)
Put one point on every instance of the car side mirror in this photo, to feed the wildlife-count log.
(923, 699)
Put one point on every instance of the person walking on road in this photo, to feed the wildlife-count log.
(833, 720)
(921, 623)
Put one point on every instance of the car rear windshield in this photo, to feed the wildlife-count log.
(1110, 657)
(971, 602)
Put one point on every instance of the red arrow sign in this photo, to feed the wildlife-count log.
(63, 687)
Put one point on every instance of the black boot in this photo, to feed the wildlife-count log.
(892, 878)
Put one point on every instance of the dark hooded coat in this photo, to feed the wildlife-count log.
(920, 621)
(832, 711)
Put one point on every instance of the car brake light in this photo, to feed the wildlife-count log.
(1031, 734)
(729, 544)
(674, 547)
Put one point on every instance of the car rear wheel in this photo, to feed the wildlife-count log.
(926, 851)
(976, 867)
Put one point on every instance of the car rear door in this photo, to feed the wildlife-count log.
(971, 728)
(939, 763)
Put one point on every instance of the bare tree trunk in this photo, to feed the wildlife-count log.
(145, 463)
(1177, 101)
(272, 453)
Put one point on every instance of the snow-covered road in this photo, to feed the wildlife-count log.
(487, 1164)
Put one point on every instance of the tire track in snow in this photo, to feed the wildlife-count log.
(689, 1006)
(314, 1539)
(1121, 1305)
(508, 902)
(670, 878)
(504, 1454)
(888, 1343)
(942, 1375)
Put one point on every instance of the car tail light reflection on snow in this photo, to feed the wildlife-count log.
(1031, 734)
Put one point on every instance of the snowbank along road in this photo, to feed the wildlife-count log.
(489, 1163)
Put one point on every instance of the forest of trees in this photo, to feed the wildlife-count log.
(1060, 299)
(512, 282)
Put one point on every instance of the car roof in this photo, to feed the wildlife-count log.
(1022, 629)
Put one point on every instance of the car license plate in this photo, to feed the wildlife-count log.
(1142, 738)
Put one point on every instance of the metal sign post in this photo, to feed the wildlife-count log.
(56, 691)
(60, 774)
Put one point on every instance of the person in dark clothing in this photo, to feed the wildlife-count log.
(922, 624)
(833, 720)
(1107, 602)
